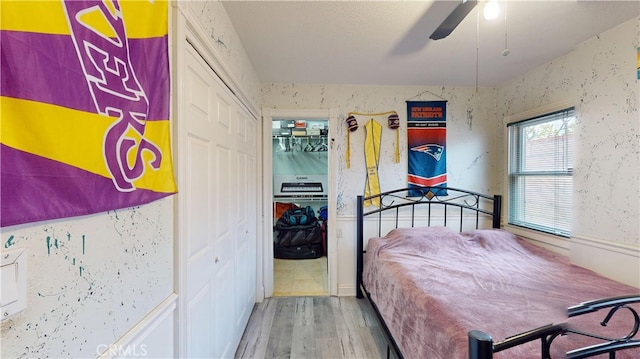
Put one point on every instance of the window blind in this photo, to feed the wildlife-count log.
(541, 159)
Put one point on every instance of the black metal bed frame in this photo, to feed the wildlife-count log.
(481, 345)
(476, 205)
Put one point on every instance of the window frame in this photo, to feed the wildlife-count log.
(540, 116)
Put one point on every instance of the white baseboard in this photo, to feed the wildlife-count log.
(347, 291)
(618, 261)
(152, 337)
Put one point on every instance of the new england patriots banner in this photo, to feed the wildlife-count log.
(426, 137)
(84, 107)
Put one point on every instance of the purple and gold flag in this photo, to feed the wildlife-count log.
(84, 107)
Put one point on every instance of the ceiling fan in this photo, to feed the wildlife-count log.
(453, 12)
(453, 20)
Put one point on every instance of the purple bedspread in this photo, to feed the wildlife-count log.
(432, 285)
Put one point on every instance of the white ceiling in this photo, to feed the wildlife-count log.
(387, 42)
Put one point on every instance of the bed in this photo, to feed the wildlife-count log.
(446, 282)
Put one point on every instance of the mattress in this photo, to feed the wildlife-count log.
(433, 285)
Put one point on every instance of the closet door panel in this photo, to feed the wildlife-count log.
(199, 313)
(225, 278)
(219, 225)
(195, 193)
(198, 152)
(246, 214)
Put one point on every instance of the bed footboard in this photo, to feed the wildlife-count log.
(608, 345)
(482, 346)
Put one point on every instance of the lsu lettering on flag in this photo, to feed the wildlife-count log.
(84, 107)
(426, 137)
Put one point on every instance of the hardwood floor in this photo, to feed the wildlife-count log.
(312, 327)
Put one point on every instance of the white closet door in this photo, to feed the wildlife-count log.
(246, 213)
(218, 217)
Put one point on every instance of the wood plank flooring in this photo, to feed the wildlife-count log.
(312, 327)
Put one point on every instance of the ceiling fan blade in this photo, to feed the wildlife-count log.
(453, 20)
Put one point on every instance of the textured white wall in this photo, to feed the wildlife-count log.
(473, 153)
(600, 78)
(90, 279)
(213, 19)
(600, 75)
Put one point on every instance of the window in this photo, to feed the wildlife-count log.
(541, 157)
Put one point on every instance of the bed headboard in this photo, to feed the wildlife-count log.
(427, 206)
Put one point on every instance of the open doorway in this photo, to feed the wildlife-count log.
(300, 170)
(297, 177)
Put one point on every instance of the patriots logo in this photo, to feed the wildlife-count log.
(432, 149)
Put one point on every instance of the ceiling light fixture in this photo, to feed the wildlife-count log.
(491, 10)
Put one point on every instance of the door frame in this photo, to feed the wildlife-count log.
(268, 114)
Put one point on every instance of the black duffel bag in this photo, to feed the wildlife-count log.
(306, 251)
(298, 235)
